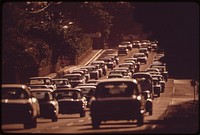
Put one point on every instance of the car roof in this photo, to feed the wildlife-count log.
(118, 80)
(40, 77)
(142, 73)
(86, 86)
(14, 86)
(68, 89)
(72, 75)
(58, 79)
(42, 90)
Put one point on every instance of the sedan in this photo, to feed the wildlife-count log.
(71, 101)
(141, 57)
(117, 99)
(18, 105)
(48, 104)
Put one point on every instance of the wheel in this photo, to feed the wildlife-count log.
(159, 94)
(95, 123)
(30, 124)
(82, 114)
(140, 120)
(150, 112)
(55, 118)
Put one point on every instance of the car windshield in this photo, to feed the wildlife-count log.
(116, 89)
(60, 82)
(41, 95)
(67, 95)
(73, 77)
(39, 81)
(13, 93)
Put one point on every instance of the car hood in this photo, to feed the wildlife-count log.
(15, 101)
(69, 100)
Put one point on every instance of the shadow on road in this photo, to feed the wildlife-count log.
(177, 119)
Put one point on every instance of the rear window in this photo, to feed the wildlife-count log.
(14, 93)
(116, 89)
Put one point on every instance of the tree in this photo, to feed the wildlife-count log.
(20, 54)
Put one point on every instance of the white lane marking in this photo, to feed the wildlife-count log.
(56, 127)
(173, 95)
(80, 120)
(69, 124)
(154, 126)
(36, 131)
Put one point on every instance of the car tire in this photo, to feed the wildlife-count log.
(30, 124)
(140, 120)
(159, 94)
(82, 114)
(55, 118)
(95, 123)
(151, 112)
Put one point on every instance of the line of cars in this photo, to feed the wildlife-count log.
(115, 98)
(126, 94)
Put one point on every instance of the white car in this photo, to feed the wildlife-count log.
(141, 57)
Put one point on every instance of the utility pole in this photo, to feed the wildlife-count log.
(193, 84)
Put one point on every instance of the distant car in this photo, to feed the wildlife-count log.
(154, 46)
(152, 70)
(88, 91)
(148, 103)
(39, 81)
(162, 70)
(117, 99)
(115, 76)
(161, 81)
(18, 106)
(48, 104)
(100, 70)
(141, 57)
(71, 101)
(101, 64)
(116, 57)
(61, 83)
(128, 65)
(87, 74)
(122, 72)
(110, 63)
(145, 81)
(136, 44)
(144, 50)
(128, 44)
(156, 86)
(75, 79)
(92, 81)
(93, 71)
(122, 50)
(79, 72)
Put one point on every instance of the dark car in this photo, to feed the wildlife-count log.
(71, 101)
(88, 91)
(145, 81)
(122, 50)
(141, 57)
(61, 83)
(18, 105)
(102, 65)
(48, 104)
(110, 62)
(93, 71)
(35, 82)
(148, 103)
(75, 79)
(117, 99)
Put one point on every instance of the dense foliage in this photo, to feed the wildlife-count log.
(36, 34)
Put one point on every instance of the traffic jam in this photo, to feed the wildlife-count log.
(108, 88)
